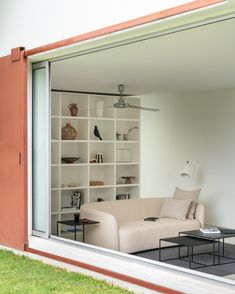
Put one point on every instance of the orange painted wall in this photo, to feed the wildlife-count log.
(13, 152)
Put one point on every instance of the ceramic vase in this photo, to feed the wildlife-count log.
(68, 132)
(73, 109)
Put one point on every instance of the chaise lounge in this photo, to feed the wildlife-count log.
(122, 226)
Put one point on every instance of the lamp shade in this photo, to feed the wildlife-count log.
(188, 170)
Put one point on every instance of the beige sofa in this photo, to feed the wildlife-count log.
(122, 226)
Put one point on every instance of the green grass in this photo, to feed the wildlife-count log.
(19, 274)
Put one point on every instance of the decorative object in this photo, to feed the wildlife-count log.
(128, 179)
(68, 132)
(73, 109)
(124, 155)
(125, 136)
(73, 185)
(99, 108)
(100, 199)
(76, 217)
(97, 133)
(77, 199)
(93, 160)
(96, 183)
(70, 159)
(99, 158)
(123, 196)
(188, 170)
(118, 136)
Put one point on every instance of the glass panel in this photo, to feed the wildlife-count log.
(40, 151)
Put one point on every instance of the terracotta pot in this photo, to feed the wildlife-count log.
(73, 109)
(68, 132)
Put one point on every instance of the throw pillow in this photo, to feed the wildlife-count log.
(175, 208)
(181, 194)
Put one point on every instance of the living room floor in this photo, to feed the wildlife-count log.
(217, 270)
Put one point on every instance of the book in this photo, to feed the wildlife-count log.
(210, 230)
(151, 219)
(227, 231)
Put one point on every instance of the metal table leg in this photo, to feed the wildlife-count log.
(57, 230)
(75, 233)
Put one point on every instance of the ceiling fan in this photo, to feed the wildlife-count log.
(122, 104)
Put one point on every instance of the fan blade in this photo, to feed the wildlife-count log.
(143, 108)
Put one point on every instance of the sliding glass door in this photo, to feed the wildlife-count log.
(40, 150)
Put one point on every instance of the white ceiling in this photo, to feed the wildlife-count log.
(202, 58)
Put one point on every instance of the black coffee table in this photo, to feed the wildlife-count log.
(190, 242)
(75, 224)
(216, 238)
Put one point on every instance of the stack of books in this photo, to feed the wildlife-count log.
(210, 230)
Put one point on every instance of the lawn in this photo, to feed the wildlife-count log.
(19, 274)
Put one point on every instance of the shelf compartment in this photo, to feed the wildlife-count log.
(102, 106)
(55, 159)
(106, 193)
(66, 200)
(55, 202)
(80, 99)
(54, 177)
(102, 173)
(77, 175)
(55, 104)
(124, 126)
(129, 113)
(132, 190)
(127, 170)
(78, 149)
(127, 152)
(107, 149)
(80, 125)
(55, 129)
(106, 129)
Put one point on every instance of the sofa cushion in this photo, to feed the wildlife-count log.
(174, 208)
(193, 195)
(141, 235)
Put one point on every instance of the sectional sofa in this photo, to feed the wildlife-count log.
(122, 226)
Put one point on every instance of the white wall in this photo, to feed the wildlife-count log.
(31, 23)
(199, 127)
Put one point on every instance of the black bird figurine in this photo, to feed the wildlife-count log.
(97, 133)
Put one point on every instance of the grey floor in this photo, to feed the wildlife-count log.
(218, 270)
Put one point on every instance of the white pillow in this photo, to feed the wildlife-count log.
(181, 194)
(174, 208)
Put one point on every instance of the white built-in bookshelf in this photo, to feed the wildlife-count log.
(120, 157)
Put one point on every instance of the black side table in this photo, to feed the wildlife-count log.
(190, 243)
(75, 224)
(217, 238)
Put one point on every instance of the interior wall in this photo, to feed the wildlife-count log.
(43, 22)
(198, 127)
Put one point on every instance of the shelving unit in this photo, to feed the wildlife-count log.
(120, 157)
